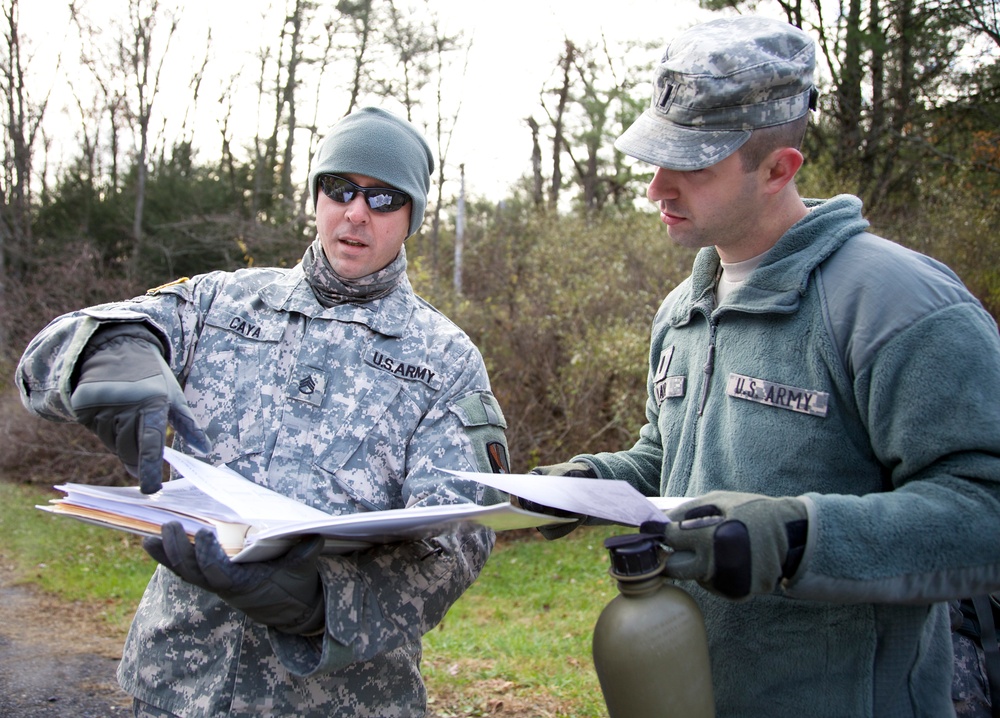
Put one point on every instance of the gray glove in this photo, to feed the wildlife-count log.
(285, 592)
(125, 393)
(736, 544)
(569, 468)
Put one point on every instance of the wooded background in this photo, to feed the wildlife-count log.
(558, 282)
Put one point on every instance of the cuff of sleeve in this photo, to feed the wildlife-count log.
(802, 568)
(304, 656)
(589, 461)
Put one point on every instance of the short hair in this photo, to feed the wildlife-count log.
(765, 140)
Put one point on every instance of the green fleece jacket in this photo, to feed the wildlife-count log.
(864, 378)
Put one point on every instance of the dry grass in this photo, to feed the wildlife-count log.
(36, 451)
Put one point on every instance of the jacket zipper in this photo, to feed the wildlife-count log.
(709, 364)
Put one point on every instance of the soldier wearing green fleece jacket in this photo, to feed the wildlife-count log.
(830, 398)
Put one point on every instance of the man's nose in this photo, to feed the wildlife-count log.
(662, 186)
(358, 211)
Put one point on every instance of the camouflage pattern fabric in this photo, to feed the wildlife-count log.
(969, 690)
(757, 74)
(348, 409)
(144, 710)
(971, 680)
(716, 82)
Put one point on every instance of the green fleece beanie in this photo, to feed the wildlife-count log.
(377, 144)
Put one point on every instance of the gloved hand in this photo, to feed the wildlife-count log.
(569, 468)
(125, 394)
(285, 592)
(736, 544)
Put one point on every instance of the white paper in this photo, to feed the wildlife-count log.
(255, 504)
(615, 501)
(180, 496)
(211, 492)
(276, 521)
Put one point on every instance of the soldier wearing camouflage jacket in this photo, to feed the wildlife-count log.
(349, 396)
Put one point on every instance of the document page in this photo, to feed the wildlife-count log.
(256, 504)
(614, 501)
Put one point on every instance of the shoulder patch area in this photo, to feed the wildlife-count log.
(484, 424)
(479, 409)
(156, 290)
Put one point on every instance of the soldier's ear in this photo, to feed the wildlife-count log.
(780, 168)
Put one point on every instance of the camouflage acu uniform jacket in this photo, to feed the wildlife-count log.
(347, 409)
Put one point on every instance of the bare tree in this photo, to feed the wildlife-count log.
(893, 67)
(558, 118)
(330, 28)
(110, 100)
(459, 233)
(537, 181)
(136, 53)
(265, 147)
(362, 20)
(595, 99)
(273, 158)
(413, 43)
(596, 103)
(294, 28)
(443, 46)
(22, 122)
(195, 86)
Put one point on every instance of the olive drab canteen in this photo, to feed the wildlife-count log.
(650, 648)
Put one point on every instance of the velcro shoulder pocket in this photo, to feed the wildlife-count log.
(479, 409)
(484, 424)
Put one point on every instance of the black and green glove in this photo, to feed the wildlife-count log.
(285, 592)
(736, 544)
(125, 393)
(569, 468)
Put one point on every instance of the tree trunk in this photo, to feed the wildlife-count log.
(459, 232)
(537, 188)
(558, 141)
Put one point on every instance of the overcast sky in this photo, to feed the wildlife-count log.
(515, 46)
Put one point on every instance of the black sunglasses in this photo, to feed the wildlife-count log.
(379, 199)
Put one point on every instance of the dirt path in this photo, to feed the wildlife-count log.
(56, 658)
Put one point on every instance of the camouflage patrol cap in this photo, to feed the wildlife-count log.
(718, 81)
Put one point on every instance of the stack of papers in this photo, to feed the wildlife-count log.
(254, 523)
